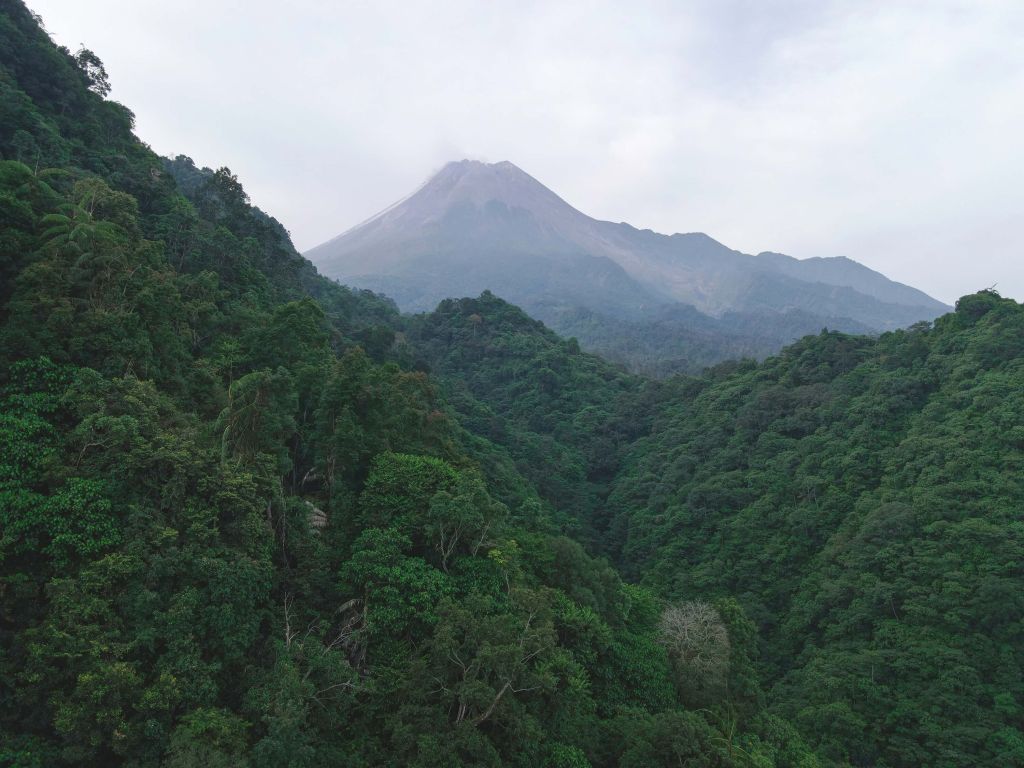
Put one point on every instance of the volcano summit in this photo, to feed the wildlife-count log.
(661, 302)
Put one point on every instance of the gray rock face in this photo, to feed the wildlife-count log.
(476, 226)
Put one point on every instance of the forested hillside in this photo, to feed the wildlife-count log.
(565, 417)
(243, 526)
(863, 500)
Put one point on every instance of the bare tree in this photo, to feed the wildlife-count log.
(697, 640)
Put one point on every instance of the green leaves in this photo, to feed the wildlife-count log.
(94, 71)
(484, 652)
(67, 521)
(259, 418)
(209, 738)
(464, 520)
(399, 593)
(78, 520)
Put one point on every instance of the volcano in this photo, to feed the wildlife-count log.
(477, 226)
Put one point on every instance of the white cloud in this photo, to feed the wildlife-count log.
(884, 131)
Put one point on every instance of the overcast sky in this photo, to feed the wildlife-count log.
(889, 132)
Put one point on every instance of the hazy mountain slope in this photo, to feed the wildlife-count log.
(696, 269)
(842, 271)
(680, 339)
(469, 203)
(475, 226)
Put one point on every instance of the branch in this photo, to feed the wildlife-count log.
(490, 709)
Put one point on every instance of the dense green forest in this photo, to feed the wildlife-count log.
(862, 499)
(243, 525)
(250, 517)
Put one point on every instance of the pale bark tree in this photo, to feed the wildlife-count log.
(698, 643)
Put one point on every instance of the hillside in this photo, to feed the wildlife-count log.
(565, 416)
(654, 302)
(240, 525)
(861, 499)
(858, 497)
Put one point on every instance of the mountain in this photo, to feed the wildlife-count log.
(476, 226)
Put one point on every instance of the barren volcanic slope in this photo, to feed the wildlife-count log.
(653, 301)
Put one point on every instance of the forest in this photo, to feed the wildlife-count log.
(252, 517)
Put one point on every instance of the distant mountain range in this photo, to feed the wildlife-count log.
(658, 303)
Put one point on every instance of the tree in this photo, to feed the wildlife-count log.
(95, 73)
(484, 654)
(698, 645)
(211, 738)
(259, 418)
(463, 519)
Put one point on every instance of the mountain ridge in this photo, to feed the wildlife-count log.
(476, 226)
